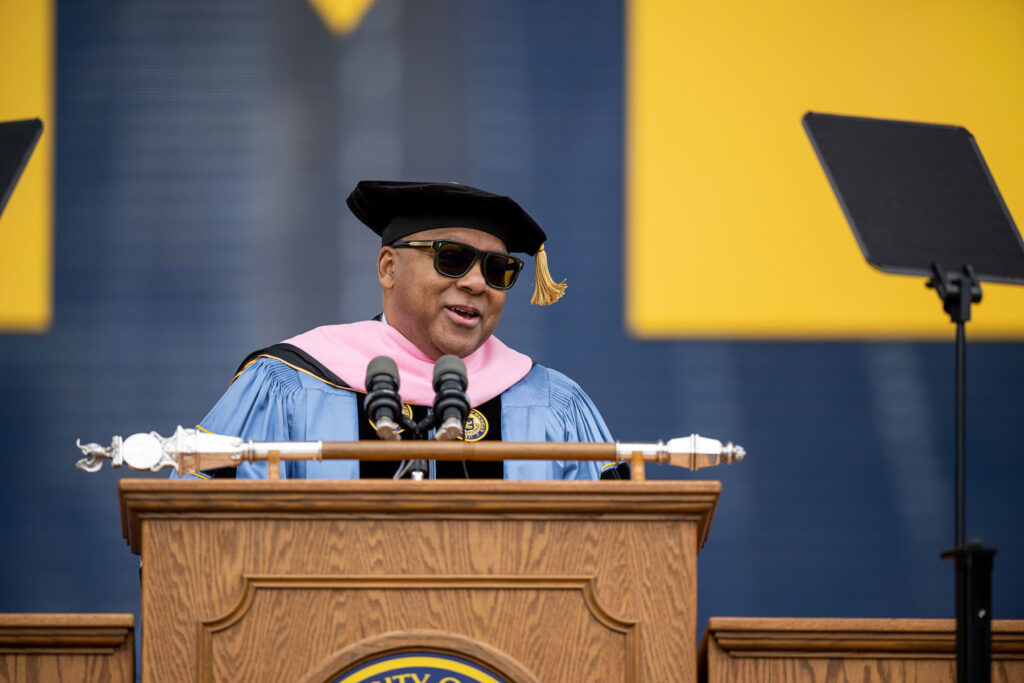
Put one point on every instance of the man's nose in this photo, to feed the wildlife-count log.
(473, 281)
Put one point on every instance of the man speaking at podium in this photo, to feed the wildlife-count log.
(445, 266)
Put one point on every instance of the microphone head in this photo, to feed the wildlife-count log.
(382, 365)
(450, 365)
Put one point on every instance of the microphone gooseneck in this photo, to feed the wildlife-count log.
(383, 404)
(451, 405)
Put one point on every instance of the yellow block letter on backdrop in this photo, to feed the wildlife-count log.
(26, 92)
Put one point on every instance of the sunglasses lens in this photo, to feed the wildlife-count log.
(454, 260)
(501, 270)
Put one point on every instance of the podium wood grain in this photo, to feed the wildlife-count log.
(745, 650)
(262, 580)
(67, 647)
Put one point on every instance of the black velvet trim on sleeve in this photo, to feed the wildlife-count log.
(222, 473)
(620, 471)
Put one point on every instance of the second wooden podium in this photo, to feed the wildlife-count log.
(515, 581)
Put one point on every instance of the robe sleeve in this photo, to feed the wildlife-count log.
(271, 401)
(548, 406)
(579, 420)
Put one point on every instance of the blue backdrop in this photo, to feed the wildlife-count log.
(204, 151)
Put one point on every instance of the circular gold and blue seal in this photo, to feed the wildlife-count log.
(419, 667)
(476, 426)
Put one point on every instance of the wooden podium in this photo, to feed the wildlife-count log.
(305, 580)
(67, 647)
(750, 650)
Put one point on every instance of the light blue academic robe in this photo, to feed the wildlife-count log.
(272, 401)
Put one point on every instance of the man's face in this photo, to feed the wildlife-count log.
(439, 314)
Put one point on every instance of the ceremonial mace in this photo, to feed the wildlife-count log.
(189, 451)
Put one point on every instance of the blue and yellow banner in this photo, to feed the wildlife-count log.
(732, 228)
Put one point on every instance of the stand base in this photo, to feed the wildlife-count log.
(973, 611)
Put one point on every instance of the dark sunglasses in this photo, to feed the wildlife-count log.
(455, 259)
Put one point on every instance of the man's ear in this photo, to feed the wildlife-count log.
(386, 263)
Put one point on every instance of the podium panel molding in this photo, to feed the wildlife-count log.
(269, 588)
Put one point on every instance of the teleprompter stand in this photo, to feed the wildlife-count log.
(973, 562)
(916, 196)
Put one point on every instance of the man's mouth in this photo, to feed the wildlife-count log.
(466, 313)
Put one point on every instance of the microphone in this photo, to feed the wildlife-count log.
(451, 405)
(382, 403)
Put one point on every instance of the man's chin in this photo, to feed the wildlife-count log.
(459, 345)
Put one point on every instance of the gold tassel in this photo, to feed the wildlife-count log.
(545, 290)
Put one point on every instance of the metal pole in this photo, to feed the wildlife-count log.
(961, 431)
(973, 562)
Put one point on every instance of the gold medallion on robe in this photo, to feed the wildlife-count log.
(476, 426)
